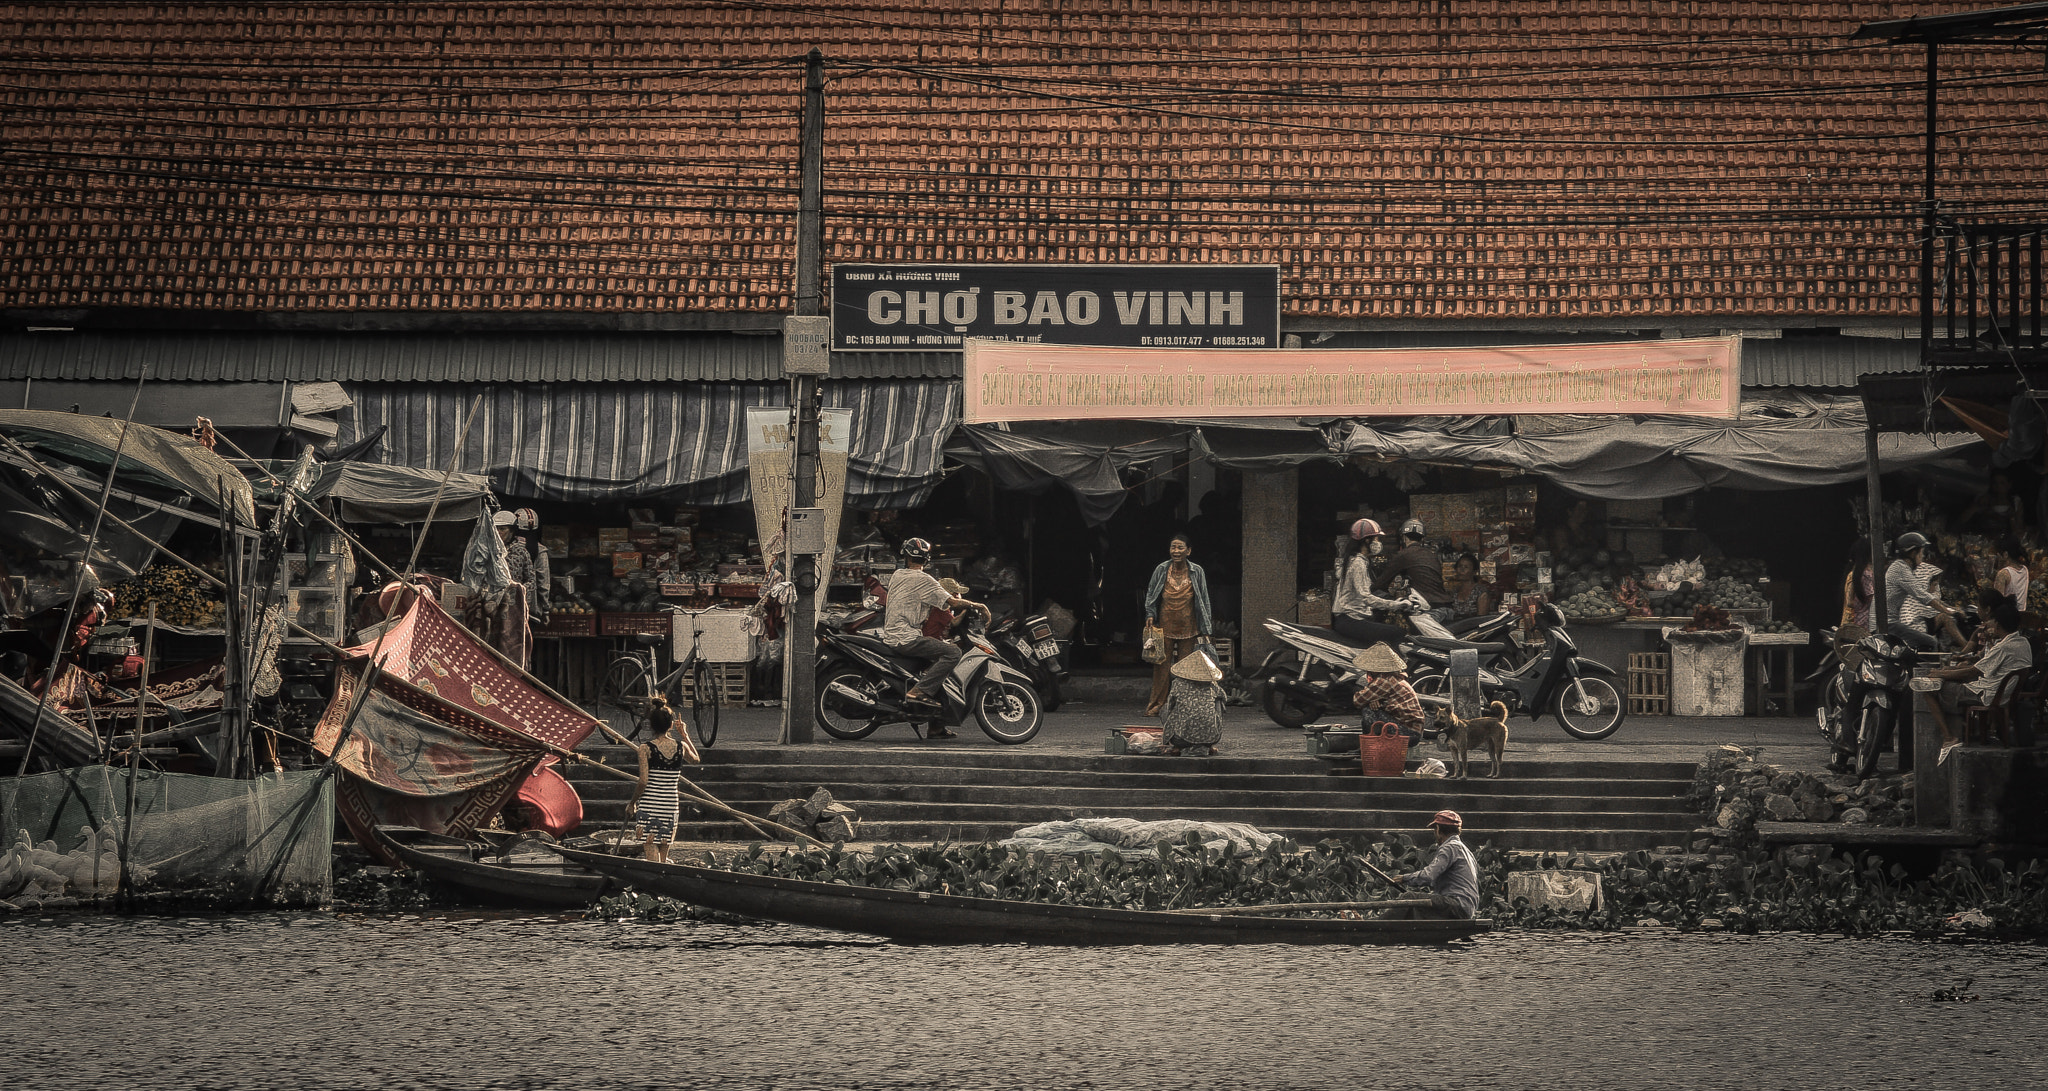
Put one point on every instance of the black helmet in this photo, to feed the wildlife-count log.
(915, 549)
(1908, 542)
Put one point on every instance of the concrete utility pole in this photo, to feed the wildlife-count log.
(805, 358)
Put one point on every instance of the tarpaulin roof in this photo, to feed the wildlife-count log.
(170, 460)
(1089, 457)
(374, 493)
(1775, 444)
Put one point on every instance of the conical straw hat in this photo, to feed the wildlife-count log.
(1196, 666)
(1379, 659)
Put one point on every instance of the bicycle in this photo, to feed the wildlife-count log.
(632, 681)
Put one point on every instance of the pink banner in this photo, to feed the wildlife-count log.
(1007, 381)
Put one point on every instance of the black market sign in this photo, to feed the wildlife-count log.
(935, 308)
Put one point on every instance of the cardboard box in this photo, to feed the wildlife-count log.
(625, 562)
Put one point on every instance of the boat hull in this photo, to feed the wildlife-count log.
(450, 862)
(922, 918)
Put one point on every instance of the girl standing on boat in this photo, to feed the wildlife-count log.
(657, 799)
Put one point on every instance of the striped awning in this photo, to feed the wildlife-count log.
(682, 443)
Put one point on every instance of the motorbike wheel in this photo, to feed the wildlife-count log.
(1828, 715)
(835, 723)
(1870, 739)
(1287, 709)
(1597, 716)
(1008, 712)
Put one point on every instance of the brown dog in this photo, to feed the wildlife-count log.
(1462, 736)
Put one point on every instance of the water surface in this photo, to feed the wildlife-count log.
(319, 1000)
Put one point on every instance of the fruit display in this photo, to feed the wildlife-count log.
(181, 597)
(1592, 605)
(1725, 592)
(1776, 627)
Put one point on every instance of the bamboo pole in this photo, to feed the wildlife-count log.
(1303, 907)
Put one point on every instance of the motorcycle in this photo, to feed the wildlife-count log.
(1555, 680)
(1029, 647)
(861, 682)
(1310, 674)
(1876, 697)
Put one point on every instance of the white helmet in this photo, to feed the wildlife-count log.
(1412, 528)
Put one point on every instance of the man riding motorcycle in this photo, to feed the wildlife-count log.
(913, 595)
(1418, 561)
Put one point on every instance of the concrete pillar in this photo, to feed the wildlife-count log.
(1272, 509)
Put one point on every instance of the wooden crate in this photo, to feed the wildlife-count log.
(1226, 652)
(732, 680)
(1649, 683)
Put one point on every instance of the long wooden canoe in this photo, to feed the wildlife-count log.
(919, 918)
(480, 871)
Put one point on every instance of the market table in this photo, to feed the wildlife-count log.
(1761, 647)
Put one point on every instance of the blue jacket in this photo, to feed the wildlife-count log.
(1157, 592)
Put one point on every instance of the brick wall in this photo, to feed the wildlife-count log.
(1271, 507)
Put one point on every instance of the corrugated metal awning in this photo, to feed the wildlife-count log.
(1824, 362)
(682, 443)
(435, 358)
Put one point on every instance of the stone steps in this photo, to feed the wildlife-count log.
(918, 794)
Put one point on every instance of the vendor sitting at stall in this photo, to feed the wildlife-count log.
(1966, 684)
(1385, 695)
(1452, 876)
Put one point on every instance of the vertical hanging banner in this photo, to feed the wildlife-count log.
(1695, 377)
(771, 455)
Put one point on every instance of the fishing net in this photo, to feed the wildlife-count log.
(266, 841)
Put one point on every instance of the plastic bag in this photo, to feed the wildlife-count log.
(1154, 648)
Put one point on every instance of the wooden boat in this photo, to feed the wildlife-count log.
(919, 918)
(499, 870)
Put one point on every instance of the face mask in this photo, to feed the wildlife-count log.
(1375, 548)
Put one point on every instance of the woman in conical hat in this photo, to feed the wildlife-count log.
(1193, 712)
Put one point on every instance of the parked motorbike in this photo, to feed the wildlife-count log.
(1029, 647)
(861, 682)
(1876, 693)
(1556, 679)
(1310, 674)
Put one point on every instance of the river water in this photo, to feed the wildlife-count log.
(319, 1000)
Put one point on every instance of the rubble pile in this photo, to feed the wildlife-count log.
(1736, 790)
(820, 816)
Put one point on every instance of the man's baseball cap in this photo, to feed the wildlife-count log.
(1448, 818)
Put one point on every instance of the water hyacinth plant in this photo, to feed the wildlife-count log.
(1750, 891)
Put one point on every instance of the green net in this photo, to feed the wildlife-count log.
(207, 840)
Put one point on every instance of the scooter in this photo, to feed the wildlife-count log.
(1556, 680)
(1029, 647)
(1876, 698)
(1310, 674)
(861, 682)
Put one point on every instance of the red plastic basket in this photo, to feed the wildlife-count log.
(1382, 750)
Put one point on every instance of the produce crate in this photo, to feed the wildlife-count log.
(632, 624)
(732, 680)
(740, 590)
(1226, 652)
(567, 625)
(1649, 683)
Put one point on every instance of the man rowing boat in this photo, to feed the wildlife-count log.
(1452, 876)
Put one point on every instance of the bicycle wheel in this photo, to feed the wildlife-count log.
(704, 701)
(622, 698)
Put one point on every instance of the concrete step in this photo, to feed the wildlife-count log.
(1520, 839)
(746, 795)
(928, 794)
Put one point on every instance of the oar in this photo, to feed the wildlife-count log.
(1388, 879)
